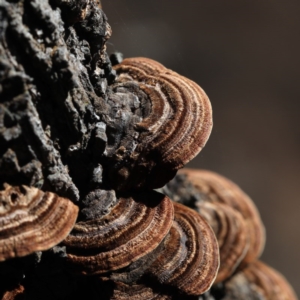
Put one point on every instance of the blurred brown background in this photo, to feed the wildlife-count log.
(245, 54)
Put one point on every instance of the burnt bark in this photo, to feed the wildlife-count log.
(54, 75)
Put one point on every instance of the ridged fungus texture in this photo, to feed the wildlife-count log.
(134, 227)
(173, 120)
(142, 290)
(231, 232)
(269, 282)
(32, 220)
(218, 189)
(123, 291)
(257, 281)
(189, 260)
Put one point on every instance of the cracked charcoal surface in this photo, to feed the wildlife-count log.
(50, 80)
(50, 87)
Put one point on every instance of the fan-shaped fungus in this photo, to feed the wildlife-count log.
(32, 220)
(258, 281)
(216, 188)
(189, 260)
(231, 232)
(272, 284)
(171, 125)
(134, 227)
(136, 292)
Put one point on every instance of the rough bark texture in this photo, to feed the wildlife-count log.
(47, 96)
(54, 74)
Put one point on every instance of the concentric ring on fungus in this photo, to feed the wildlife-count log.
(189, 260)
(216, 188)
(259, 281)
(32, 220)
(231, 232)
(171, 133)
(134, 227)
(136, 292)
(272, 284)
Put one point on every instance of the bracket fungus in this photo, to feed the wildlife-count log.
(134, 227)
(216, 188)
(143, 291)
(122, 291)
(189, 260)
(258, 281)
(273, 285)
(232, 235)
(170, 127)
(231, 214)
(32, 220)
(185, 262)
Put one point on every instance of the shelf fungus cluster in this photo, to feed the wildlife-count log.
(218, 189)
(229, 211)
(104, 133)
(146, 239)
(240, 234)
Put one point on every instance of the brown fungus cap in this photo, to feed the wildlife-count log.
(136, 292)
(216, 188)
(231, 232)
(269, 281)
(174, 126)
(190, 259)
(134, 227)
(258, 281)
(32, 220)
(141, 290)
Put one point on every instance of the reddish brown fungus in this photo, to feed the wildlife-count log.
(216, 188)
(134, 227)
(271, 283)
(231, 232)
(136, 292)
(258, 281)
(173, 129)
(32, 220)
(190, 258)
